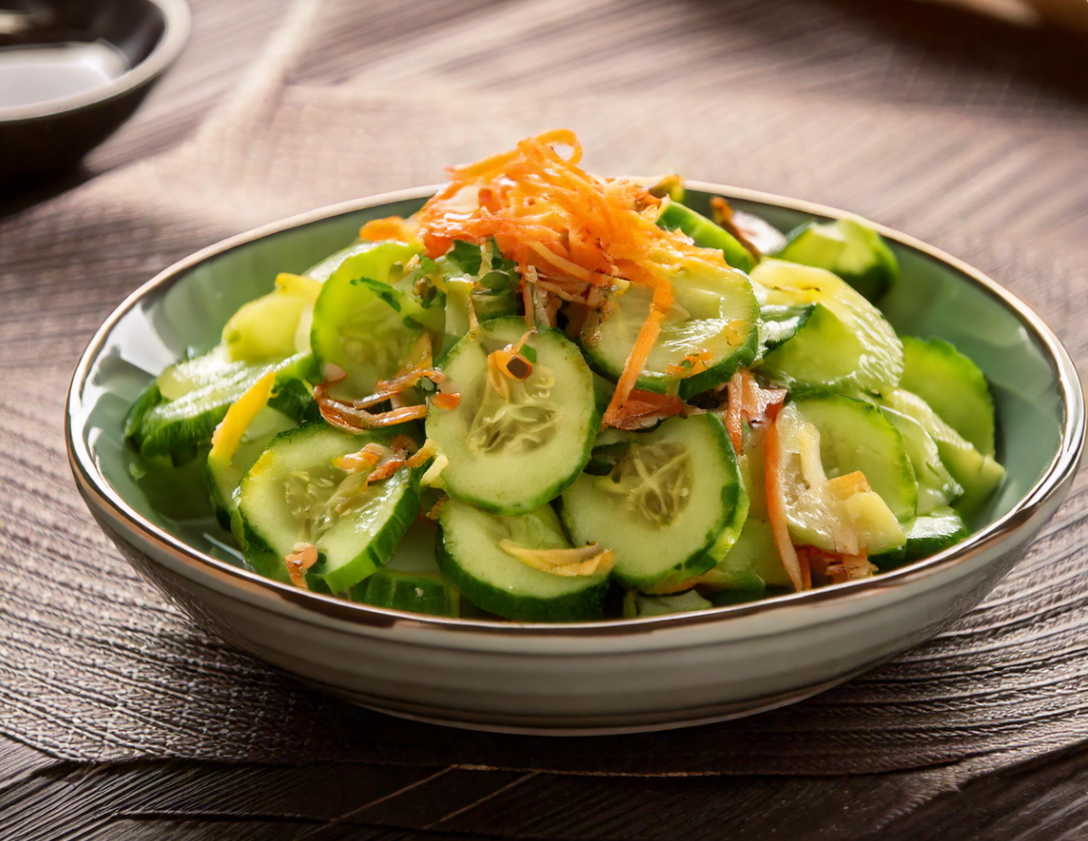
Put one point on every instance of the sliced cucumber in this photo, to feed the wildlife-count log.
(936, 487)
(469, 555)
(938, 530)
(479, 279)
(753, 558)
(953, 386)
(855, 435)
(209, 369)
(266, 329)
(714, 314)
(848, 247)
(380, 261)
(510, 455)
(824, 436)
(706, 234)
(639, 604)
(360, 325)
(239, 439)
(149, 398)
(664, 505)
(294, 493)
(176, 427)
(417, 592)
(979, 475)
(779, 324)
(930, 534)
(734, 526)
(845, 344)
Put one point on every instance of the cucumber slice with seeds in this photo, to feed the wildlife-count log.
(845, 344)
(294, 493)
(664, 505)
(361, 326)
(714, 313)
(470, 557)
(512, 454)
(849, 248)
(953, 386)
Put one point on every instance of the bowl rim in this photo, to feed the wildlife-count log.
(283, 598)
(177, 23)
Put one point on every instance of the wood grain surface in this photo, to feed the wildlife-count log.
(119, 719)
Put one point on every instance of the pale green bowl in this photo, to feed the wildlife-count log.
(589, 677)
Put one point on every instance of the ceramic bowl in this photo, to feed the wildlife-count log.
(147, 35)
(649, 673)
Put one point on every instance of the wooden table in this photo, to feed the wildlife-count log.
(965, 131)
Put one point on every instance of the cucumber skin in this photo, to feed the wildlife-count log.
(262, 557)
(557, 487)
(706, 234)
(960, 370)
(149, 398)
(917, 548)
(702, 559)
(378, 551)
(581, 606)
(825, 395)
(387, 589)
(179, 437)
(265, 561)
(742, 357)
(872, 283)
(800, 312)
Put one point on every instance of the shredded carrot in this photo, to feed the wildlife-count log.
(561, 224)
(759, 404)
(391, 227)
(747, 400)
(796, 567)
(646, 408)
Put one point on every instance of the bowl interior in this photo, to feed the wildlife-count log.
(187, 312)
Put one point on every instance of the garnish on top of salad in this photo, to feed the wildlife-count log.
(582, 398)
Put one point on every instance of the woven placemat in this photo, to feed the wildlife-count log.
(95, 665)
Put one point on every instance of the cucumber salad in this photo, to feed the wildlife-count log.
(549, 396)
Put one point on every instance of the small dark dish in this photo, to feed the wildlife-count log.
(73, 71)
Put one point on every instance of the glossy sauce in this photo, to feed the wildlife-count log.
(47, 72)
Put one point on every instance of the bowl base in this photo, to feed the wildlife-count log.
(562, 726)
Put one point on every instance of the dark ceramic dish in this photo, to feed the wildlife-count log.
(53, 109)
